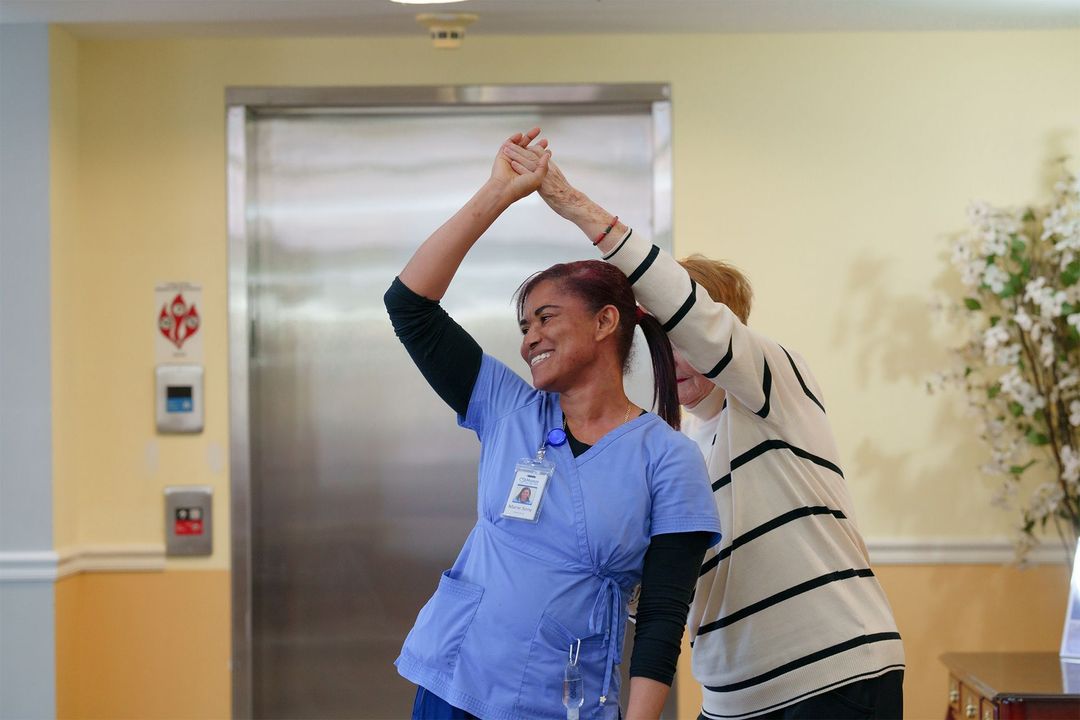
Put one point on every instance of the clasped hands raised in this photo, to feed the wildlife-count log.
(523, 165)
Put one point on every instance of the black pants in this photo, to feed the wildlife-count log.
(880, 698)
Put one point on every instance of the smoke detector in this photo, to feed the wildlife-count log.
(447, 29)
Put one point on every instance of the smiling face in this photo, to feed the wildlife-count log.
(561, 338)
(693, 386)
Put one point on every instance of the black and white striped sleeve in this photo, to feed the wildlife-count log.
(709, 334)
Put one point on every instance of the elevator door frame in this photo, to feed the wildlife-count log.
(244, 105)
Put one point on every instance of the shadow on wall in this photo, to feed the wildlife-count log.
(895, 347)
(890, 334)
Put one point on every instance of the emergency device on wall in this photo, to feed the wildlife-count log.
(188, 520)
(179, 398)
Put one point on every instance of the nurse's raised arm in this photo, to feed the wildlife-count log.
(436, 261)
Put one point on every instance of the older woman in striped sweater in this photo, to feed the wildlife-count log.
(788, 619)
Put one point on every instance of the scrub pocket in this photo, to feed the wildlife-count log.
(442, 623)
(541, 691)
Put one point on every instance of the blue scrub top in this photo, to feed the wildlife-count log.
(494, 638)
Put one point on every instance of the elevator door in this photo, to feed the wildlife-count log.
(362, 487)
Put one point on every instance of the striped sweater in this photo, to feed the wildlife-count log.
(786, 606)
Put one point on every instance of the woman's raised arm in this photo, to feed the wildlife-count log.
(708, 333)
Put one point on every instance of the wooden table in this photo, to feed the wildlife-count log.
(1011, 686)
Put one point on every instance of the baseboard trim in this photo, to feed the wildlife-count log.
(28, 566)
(111, 558)
(52, 565)
(949, 551)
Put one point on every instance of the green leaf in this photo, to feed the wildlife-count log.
(1028, 216)
(993, 390)
(990, 259)
(1016, 409)
(1013, 287)
(967, 371)
(994, 320)
(1037, 438)
(972, 304)
(1019, 469)
(1071, 274)
(1016, 249)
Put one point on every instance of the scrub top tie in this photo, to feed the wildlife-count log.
(608, 614)
(609, 603)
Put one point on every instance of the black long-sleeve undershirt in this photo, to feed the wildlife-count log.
(449, 359)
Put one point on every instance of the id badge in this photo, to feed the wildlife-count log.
(531, 478)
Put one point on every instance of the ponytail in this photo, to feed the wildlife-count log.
(665, 389)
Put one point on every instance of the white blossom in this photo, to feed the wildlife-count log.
(1047, 353)
(1070, 461)
(1014, 360)
(994, 337)
(1049, 300)
(1007, 356)
(1023, 392)
(1045, 500)
(1025, 543)
(1005, 494)
(1022, 319)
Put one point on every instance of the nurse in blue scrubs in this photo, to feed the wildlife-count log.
(529, 621)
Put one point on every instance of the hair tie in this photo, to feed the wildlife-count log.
(640, 314)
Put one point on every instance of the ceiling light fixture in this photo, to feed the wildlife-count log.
(447, 29)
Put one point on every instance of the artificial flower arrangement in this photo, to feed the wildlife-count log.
(1019, 364)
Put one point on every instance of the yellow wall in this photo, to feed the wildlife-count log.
(143, 645)
(832, 168)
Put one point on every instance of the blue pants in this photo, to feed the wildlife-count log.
(429, 706)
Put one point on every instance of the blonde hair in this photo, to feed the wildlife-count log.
(724, 283)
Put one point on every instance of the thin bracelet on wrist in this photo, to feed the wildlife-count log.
(608, 229)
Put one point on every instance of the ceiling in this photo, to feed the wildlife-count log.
(133, 18)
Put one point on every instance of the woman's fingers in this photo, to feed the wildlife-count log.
(527, 137)
(527, 157)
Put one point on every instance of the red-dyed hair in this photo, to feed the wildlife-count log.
(599, 284)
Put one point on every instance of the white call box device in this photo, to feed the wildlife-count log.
(179, 395)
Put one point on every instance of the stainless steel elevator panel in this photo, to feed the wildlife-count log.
(358, 488)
